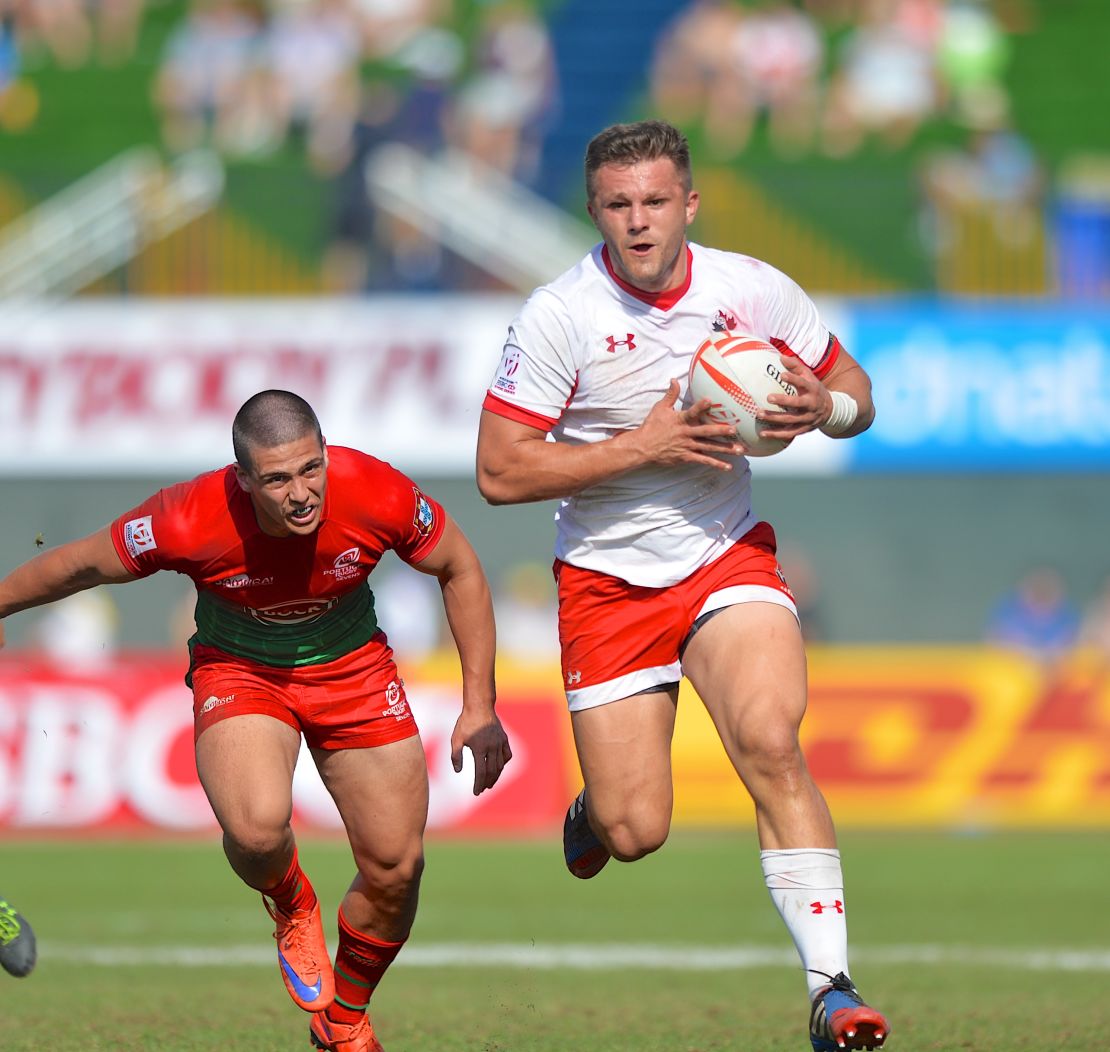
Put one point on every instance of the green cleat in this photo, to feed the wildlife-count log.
(17, 942)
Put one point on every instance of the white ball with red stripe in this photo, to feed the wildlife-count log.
(737, 373)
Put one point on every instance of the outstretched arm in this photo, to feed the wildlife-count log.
(60, 572)
(469, 609)
(516, 463)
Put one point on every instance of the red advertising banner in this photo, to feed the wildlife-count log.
(110, 748)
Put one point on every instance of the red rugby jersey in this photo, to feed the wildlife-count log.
(283, 601)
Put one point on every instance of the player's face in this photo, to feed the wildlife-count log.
(642, 211)
(286, 485)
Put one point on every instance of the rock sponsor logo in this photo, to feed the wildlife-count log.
(293, 612)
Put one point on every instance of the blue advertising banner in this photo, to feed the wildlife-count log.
(1009, 386)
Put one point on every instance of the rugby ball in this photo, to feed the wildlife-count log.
(737, 373)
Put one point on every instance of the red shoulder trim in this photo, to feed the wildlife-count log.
(514, 412)
(828, 359)
(832, 353)
(664, 300)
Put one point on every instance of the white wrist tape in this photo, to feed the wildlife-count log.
(843, 415)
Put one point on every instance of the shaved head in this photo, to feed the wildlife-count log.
(269, 419)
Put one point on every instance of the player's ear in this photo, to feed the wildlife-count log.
(592, 213)
(242, 476)
(693, 199)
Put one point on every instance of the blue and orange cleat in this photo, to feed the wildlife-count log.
(17, 942)
(303, 957)
(342, 1037)
(840, 1020)
(585, 854)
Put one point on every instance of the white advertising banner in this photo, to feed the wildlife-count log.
(118, 387)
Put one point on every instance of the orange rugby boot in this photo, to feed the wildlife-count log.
(343, 1037)
(839, 1018)
(303, 957)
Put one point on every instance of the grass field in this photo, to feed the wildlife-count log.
(994, 943)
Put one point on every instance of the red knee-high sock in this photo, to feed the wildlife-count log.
(360, 963)
(293, 891)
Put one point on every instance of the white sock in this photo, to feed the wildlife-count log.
(807, 887)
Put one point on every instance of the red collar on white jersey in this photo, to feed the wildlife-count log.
(664, 300)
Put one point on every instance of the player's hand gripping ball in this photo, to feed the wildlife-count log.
(737, 373)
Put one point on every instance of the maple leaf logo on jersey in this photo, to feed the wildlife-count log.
(724, 321)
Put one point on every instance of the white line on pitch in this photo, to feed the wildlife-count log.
(582, 956)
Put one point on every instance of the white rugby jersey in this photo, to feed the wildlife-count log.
(589, 355)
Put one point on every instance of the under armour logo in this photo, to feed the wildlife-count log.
(614, 343)
(820, 907)
(573, 678)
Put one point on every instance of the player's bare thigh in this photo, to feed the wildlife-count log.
(381, 794)
(245, 764)
(624, 749)
(748, 666)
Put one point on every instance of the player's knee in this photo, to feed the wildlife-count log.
(392, 876)
(635, 836)
(255, 842)
(774, 755)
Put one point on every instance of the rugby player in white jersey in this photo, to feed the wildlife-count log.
(663, 570)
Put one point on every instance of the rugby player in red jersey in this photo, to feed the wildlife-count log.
(280, 545)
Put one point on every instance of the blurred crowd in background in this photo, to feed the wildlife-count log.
(826, 74)
(245, 75)
(893, 66)
(336, 79)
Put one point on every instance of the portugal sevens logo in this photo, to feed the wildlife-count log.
(346, 565)
(629, 341)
